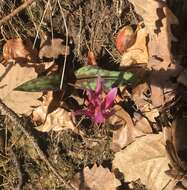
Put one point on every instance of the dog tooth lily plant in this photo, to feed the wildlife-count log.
(98, 104)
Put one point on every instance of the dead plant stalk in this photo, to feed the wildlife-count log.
(16, 11)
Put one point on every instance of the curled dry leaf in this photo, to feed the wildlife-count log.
(96, 178)
(57, 120)
(125, 39)
(19, 50)
(53, 48)
(20, 102)
(140, 96)
(91, 58)
(143, 125)
(126, 132)
(145, 159)
(137, 53)
(161, 83)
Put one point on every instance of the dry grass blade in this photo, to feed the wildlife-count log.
(66, 50)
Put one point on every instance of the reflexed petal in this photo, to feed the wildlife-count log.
(99, 85)
(99, 118)
(110, 97)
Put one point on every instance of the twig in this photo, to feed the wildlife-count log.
(66, 50)
(38, 30)
(22, 125)
(16, 11)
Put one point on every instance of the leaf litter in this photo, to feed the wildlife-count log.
(119, 120)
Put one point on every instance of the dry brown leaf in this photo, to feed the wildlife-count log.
(145, 159)
(96, 178)
(181, 133)
(152, 11)
(140, 99)
(20, 102)
(161, 57)
(52, 48)
(127, 133)
(148, 10)
(158, 20)
(91, 58)
(137, 53)
(19, 50)
(57, 120)
(176, 134)
(143, 125)
(141, 93)
(161, 83)
(176, 145)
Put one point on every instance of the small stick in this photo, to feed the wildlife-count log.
(65, 58)
(22, 125)
(16, 11)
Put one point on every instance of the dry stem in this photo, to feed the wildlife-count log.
(15, 12)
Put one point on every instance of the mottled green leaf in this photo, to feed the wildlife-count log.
(44, 83)
(86, 78)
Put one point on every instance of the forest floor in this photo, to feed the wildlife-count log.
(93, 94)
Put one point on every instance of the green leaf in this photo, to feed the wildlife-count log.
(44, 83)
(86, 79)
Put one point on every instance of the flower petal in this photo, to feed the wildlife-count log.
(99, 118)
(110, 97)
(99, 85)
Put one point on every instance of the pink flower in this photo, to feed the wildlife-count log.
(98, 107)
